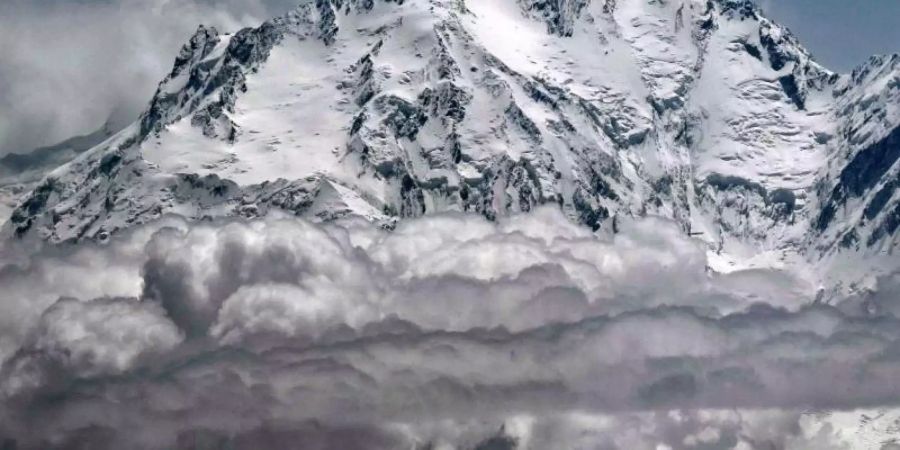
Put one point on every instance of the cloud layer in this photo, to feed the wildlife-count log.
(449, 331)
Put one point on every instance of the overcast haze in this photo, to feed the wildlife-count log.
(68, 65)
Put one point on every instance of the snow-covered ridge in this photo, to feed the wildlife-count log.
(698, 110)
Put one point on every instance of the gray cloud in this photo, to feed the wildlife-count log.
(69, 65)
(449, 331)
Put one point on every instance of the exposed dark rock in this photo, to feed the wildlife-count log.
(446, 101)
(738, 9)
(778, 58)
(862, 173)
(753, 50)
(401, 116)
(412, 198)
(880, 200)
(725, 183)
(109, 162)
(789, 85)
(889, 225)
(518, 118)
(560, 15)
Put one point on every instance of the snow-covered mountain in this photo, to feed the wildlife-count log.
(20, 173)
(703, 111)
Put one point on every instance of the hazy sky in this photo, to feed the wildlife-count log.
(841, 33)
(67, 64)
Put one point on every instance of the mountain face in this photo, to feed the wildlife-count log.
(21, 172)
(703, 111)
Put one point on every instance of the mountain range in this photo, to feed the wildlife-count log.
(702, 111)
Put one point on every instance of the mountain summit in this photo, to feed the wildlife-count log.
(703, 111)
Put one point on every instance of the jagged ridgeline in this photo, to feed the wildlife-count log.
(703, 111)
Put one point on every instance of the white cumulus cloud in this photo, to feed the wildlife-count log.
(449, 332)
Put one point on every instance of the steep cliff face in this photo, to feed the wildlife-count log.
(699, 110)
(860, 207)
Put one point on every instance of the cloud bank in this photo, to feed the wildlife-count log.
(448, 332)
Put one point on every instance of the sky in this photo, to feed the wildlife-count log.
(69, 65)
(841, 33)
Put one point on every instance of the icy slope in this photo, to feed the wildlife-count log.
(20, 173)
(859, 189)
(702, 111)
